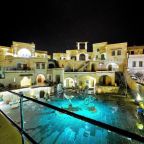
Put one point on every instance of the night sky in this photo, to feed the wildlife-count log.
(56, 25)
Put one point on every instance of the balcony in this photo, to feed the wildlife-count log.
(18, 69)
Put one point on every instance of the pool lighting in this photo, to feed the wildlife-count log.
(138, 98)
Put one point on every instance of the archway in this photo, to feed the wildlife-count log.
(113, 67)
(88, 81)
(93, 67)
(105, 80)
(40, 79)
(69, 82)
(51, 65)
(25, 82)
(24, 53)
(82, 57)
(110, 68)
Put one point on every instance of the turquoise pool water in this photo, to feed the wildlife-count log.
(48, 126)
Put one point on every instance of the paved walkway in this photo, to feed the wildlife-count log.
(8, 133)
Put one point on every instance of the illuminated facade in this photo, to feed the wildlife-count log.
(136, 58)
(93, 69)
(21, 65)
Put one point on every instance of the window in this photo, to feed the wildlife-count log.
(73, 57)
(57, 78)
(134, 64)
(102, 57)
(97, 50)
(140, 64)
(50, 77)
(37, 65)
(132, 52)
(43, 65)
(19, 66)
(119, 52)
(113, 53)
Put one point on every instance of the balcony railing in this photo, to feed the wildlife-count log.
(18, 69)
(105, 126)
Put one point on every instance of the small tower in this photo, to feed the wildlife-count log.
(80, 44)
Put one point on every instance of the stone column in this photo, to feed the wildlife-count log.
(86, 45)
(78, 45)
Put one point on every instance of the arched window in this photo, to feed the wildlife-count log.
(73, 57)
(110, 67)
(82, 57)
(102, 57)
(24, 53)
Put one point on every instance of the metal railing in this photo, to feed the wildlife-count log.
(114, 129)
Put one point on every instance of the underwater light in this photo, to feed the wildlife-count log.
(138, 98)
(139, 126)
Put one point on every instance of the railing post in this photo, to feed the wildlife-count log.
(21, 116)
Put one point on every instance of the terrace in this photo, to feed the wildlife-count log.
(89, 119)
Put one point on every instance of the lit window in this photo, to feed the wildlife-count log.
(113, 53)
(140, 64)
(134, 64)
(119, 52)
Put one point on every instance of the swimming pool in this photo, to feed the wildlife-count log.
(49, 126)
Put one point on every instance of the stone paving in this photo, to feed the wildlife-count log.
(52, 127)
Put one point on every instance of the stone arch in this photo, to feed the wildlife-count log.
(112, 67)
(25, 82)
(51, 64)
(105, 80)
(40, 79)
(69, 82)
(87, 81)
(82, 57)
(93, 67)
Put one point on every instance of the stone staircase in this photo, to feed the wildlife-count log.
(83, 66)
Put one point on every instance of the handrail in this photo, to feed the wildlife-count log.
(86, 119)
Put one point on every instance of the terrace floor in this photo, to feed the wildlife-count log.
(8, 134)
